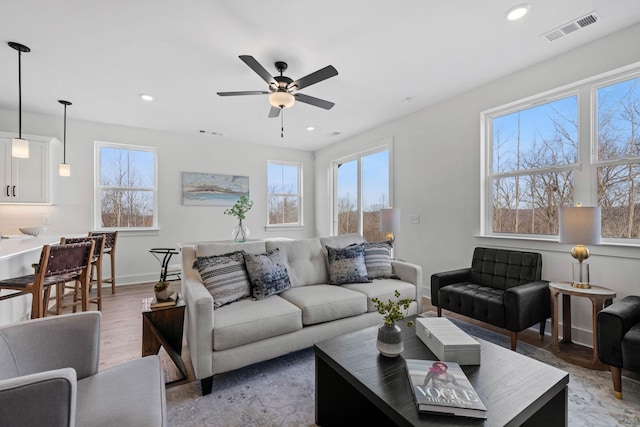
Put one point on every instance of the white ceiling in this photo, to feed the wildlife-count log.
(393, 58)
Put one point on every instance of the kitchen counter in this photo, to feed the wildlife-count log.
(16, 256)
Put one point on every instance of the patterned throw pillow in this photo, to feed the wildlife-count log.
(225, 276)
(377, 258)
(347, 265)
(267, 273)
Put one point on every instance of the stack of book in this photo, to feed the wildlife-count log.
(153, 303)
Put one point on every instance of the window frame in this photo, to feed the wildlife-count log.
(299, 195)
(98, 187)
(387, 145)
(585, 170)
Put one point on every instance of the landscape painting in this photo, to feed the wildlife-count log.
(207, 189)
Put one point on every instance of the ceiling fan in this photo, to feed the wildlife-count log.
(283, 91)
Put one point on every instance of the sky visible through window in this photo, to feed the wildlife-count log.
(375, 177)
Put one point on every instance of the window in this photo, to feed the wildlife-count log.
(284, 193)
(541, 157)
(535, 153)
(362, 188)
(126, 191)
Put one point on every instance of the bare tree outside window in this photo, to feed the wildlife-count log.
(126, 188)
(284, 194)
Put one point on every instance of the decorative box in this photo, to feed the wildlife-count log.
(447, 341)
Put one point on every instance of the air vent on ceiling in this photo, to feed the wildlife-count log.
(572, 26)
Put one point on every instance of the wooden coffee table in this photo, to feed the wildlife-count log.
(355, 385)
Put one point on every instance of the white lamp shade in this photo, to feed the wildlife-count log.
(390, 220)
(580, 225)
(20, 148)
(64, 169)
(281, 99)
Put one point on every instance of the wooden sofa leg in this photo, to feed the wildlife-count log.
(514, 340)
(439, 311)
(616, 375)
(207, 385)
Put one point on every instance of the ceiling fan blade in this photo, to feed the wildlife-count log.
(313, 78)
(246, 92)
(259, 69)
(317, 102)
(274, 112)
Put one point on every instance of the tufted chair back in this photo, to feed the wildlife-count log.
(505, 269)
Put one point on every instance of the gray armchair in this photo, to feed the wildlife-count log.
(49, 376)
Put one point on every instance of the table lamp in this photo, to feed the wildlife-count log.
(580, 226)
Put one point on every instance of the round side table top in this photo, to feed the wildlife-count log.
(598, 291)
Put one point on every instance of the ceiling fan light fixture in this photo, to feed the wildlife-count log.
(281, 99)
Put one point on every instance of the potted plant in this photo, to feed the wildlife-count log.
(389, 333)
(240, 233)
(162, 290)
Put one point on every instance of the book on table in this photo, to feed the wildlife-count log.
(443, 388)
(152, 303)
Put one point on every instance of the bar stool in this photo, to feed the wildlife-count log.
(78, 287)
(58, 264)
(109, 249)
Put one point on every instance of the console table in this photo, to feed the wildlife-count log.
(566, 349)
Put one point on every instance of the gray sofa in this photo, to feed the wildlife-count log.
(49, 376)
(249, 330)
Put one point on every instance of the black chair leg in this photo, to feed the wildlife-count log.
(543, 324)
(207, 385)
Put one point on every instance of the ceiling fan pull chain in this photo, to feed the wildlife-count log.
(282, 123)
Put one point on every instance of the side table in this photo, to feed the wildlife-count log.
(164, 327)
(567, 350)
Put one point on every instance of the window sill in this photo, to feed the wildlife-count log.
(605, 249)
(279, 228)
(152, 231)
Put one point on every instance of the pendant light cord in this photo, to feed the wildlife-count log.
(64, 137)
(19, 95)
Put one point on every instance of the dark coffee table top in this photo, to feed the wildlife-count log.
(512, 386)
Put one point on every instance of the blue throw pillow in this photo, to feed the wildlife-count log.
(347, 265)
(267, 273)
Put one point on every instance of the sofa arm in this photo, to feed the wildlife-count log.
(440, 280)
(45, 397)
(411, 273)
(199, 326)
(612, 324)
(526, 305)
(63, 341)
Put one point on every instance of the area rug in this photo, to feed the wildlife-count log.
(280, 392)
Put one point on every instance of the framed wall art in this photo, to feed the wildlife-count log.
(209, 189)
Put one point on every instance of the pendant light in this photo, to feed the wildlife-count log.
(19, 146)
(65, 168)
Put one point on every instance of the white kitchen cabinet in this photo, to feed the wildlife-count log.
(26, 180)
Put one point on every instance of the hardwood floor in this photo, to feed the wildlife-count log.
(121, 330)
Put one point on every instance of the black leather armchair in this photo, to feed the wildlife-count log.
(502, 288)
(618, 338)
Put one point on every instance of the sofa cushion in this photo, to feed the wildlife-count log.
(323, 303)
(384, 290)
(221, 248)
(377, 258)
(247, 321)
(479, 302)
(225, 277)
(267, 273)
(341, 241)
(347, 265)
(305, 260)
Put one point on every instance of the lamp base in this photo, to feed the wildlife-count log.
(580, 275)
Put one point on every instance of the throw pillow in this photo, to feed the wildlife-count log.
(347, 265)
(377, 258)
(267, 273)
(225, 276)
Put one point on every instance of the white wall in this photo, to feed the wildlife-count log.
(73, 209)
(437, 175)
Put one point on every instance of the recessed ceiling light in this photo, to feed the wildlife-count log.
(518, 12)
(310, 128)
(146, 97)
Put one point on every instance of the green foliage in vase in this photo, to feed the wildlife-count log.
(393, 310)
(160, 286)
(240, 208)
